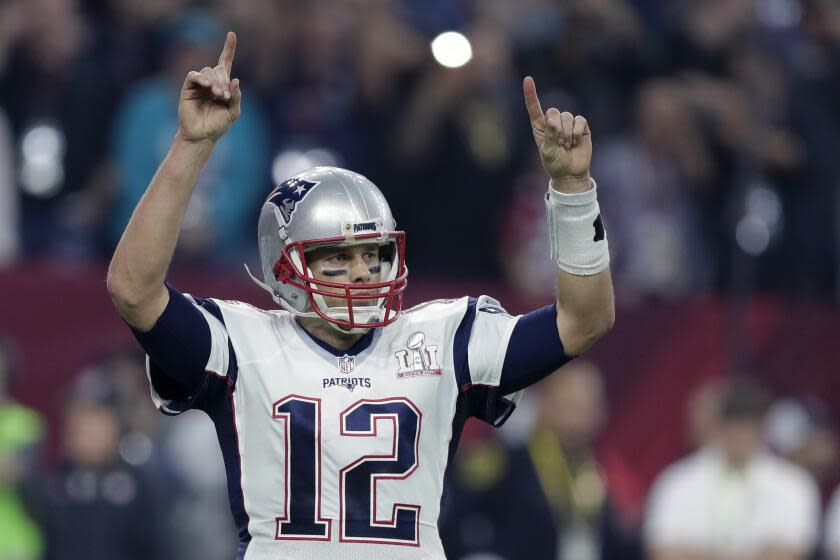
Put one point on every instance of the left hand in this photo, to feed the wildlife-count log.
(564, 141)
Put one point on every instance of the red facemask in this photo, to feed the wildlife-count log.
(355, 295)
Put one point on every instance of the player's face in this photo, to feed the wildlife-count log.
(356, 264)
(741, 439)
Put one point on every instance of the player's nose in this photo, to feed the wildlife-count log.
(359, 270)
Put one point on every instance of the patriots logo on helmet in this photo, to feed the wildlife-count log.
(288, 194)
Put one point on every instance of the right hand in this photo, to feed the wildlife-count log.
(210, 100)
(564, 142)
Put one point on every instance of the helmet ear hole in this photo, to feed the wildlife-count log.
(283, 270)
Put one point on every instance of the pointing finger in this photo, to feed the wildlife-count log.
(532, 101)
(226, 58)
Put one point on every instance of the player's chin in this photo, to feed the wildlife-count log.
(357, 302)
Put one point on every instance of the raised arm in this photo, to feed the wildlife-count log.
(210, 102)
(585, 308)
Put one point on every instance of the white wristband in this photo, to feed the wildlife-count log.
(575, 231)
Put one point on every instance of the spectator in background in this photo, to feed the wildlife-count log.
(313, 107)
(456, 130)
(523, 239)
(20, 433)
(219, 222)
(548, 498)
(125, 371)
(59, 102)
(732, 499)
(128, 37)
(592, 51)
(200, 516)
(703, 414)
(182, 460)
(705, 35)
(270, 26)
(802, 431)
(653, 174)
(831, 541)
(183, 456)
(811, 200)
(97, 506)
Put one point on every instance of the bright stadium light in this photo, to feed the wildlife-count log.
(291, 161)
(451, 49)
(762, 220)
(752, 235)
(42, 168)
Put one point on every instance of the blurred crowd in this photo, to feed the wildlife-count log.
(755, 480)
(715, 124)
(122, 483)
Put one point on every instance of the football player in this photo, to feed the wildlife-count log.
(339, 413)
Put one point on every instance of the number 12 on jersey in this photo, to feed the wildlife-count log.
(358, 521)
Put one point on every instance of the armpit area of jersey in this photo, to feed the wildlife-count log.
(179, 345)
(534, 351)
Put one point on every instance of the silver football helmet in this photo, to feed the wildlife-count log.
(330, 206)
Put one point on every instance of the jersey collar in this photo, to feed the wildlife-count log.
(360, 346)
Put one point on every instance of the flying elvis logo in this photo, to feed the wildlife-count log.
(288, 194)
(418, 359)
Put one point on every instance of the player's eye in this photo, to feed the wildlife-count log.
(338, 258)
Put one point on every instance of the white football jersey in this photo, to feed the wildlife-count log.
(334, 455)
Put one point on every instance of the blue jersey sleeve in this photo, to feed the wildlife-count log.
(178, 347)
(534, 351)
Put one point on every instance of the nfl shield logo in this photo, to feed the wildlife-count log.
(346, 363)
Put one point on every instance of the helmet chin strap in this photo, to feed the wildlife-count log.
(343, 314)
(263, 285)
(371, 314)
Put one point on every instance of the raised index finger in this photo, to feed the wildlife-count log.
(226, 58)
(532, 102)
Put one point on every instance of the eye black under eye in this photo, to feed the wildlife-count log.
(340, 272)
